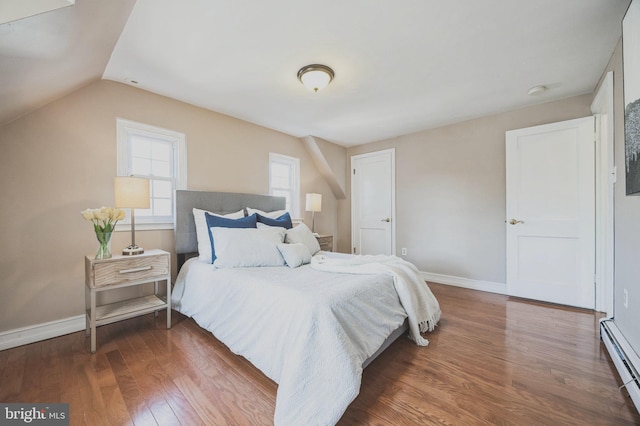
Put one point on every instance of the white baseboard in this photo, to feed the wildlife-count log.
(35, 333)
(623, 356)
(488, 286)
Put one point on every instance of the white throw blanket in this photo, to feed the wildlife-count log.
(422, 307)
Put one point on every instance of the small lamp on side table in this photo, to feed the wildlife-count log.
(133, 193)
(314, 204)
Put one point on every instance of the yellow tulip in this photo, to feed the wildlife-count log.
(113, 213)
(102, 214)
(105, 218)
(87, 214)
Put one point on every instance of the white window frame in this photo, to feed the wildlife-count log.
(126, 128)
(294, 164)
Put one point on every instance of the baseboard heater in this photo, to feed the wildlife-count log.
(624, 358)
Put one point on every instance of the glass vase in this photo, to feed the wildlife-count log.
(104, 252)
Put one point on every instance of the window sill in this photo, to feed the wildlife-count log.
(126, 227)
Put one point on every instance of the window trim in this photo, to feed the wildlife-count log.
(126, 127)
(294, 163)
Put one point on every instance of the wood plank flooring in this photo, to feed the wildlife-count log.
(492, 360)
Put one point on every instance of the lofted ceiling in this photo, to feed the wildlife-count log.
(400, 67)
(49, 55)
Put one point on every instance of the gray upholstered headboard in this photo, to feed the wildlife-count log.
(216, 202)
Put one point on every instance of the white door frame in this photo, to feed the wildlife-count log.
(603, 109)
(392, 151)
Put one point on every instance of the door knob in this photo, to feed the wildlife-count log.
(515, 222)
(386, 220)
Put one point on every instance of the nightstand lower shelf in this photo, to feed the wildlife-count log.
(112, 312)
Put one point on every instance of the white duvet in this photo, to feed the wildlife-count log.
(306, 329)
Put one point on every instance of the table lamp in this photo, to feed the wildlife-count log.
(314, 204)
(133, 193)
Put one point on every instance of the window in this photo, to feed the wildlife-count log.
(284, 180)
(160, 156)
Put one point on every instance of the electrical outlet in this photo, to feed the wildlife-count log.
(404, 251)
(626, 298)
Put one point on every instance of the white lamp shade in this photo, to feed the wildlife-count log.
(315, 80)
(314, 202)
(132, 192)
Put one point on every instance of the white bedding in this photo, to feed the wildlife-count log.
(294, 325)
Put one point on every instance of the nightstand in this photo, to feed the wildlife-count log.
(325, 241)
(125, 271)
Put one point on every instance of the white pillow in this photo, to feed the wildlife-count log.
(260, 225)
(202, 231)
(271, 215)
(295, 254)
(302, 234)
(247, 247)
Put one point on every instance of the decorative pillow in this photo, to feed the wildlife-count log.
(302, 234)
(271, 215)
(262, 225)
(202, 231)
(223, 222)
(283, 221)
(243, 248)
(295, 254)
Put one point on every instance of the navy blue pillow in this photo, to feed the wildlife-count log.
(223, 222)
(283, 221)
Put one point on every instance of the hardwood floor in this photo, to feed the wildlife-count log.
(492, 360)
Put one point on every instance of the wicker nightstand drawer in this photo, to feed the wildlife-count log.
(123, 269)
(326, 242)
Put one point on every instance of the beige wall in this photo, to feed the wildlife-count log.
(450, 190)
(336, 158)
(61, 159)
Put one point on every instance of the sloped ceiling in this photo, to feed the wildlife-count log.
(46, 56)
(400, 67)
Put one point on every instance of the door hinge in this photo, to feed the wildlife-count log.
(354, 250)
(354, 171)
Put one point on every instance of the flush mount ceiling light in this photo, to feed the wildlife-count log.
(315, 76)
(537, 90)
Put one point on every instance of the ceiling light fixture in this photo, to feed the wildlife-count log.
(537, 90)
(315, 76)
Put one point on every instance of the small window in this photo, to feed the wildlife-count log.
(160, 156)
(284, 180)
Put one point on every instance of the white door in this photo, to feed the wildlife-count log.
(551, 213)
(373, 203)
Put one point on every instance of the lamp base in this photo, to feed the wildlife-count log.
(132, 251)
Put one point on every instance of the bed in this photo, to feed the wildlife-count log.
(311, 328)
